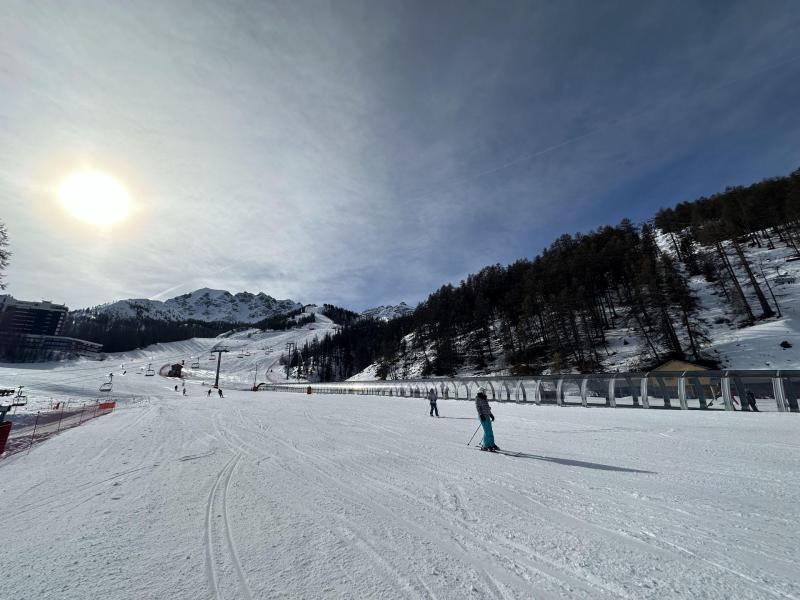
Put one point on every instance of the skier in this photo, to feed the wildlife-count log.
(209, 392)
(220, 393)
(486, 417)
(184, 391)
(432, 400)
(176, 387)
(750, 401)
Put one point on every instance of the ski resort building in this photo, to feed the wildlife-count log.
(30, 331)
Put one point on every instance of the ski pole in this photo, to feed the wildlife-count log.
(473, 435)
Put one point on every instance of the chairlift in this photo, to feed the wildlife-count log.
(247, 353)
(149, 372)
(196, 364)
(240, 355)
(106, 387)
(20, 399)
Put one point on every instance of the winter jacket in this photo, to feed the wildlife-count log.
(432, 397)
(484, 410)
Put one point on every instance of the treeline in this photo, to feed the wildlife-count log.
(709, 236)
(555, 311)
(340, 316)
(285, 321)
(359, 343)
(120, 335)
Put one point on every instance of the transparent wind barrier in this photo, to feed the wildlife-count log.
(791, 389)
(628, 392)
(704, 392)
(597, 391)
(749, 390)
(662, 391)
(547, 391)
(571, 392)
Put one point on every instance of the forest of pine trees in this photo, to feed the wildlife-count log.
(120, 335)
(554, 312)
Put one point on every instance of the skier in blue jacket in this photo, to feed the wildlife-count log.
(486, 417)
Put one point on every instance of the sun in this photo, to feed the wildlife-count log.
(94, 197)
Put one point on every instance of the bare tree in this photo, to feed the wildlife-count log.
(5, 254)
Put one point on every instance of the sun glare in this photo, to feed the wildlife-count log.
(94, 197)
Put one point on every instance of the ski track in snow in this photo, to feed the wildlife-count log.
(267, 495)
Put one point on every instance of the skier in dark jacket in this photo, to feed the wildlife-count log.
(750, 401)
(486, 417)
(432, 400)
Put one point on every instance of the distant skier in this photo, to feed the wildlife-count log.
(184, 391)
(209, 393)
(750, 402)
(432, 400)
(486, 417)
(176, 387)
(220, 393)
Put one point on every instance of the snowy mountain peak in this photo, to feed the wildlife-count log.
(387, 313)
(205, 304)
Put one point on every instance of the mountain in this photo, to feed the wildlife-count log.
(204, 305)
(387, 313)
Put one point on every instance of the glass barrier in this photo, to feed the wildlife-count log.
(791, 389)
(662, 391)
(703, 392)
(753, 393)
(547, 391)
(628, 391)
(571, 392)
(597, 391)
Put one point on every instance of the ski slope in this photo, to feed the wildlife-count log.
(269, 495)
(80, 380)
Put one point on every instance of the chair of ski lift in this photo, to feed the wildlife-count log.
(195, 364)
(20, 399)
(106, 387)
(247, 353)
(240, 355)
(149, 372)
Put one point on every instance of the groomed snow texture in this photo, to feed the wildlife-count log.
(269, 495)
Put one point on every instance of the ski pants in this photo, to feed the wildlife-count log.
(488, 434)
(434, 409)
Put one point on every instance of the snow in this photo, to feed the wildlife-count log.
(270, 495)
(80, 380)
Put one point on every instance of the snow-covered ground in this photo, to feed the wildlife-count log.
(269, 495)
(252, 352)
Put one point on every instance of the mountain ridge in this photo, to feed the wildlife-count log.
(204, 304)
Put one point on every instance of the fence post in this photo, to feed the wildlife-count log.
(780, 396)
(612, 396)
(33, 433)
(727, 399)
(61, 416)
(682, 391)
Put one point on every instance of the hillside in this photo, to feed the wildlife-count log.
(712, 281)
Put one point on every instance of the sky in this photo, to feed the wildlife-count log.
(365, 153)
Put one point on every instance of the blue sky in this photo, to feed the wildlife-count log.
(364, 153)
